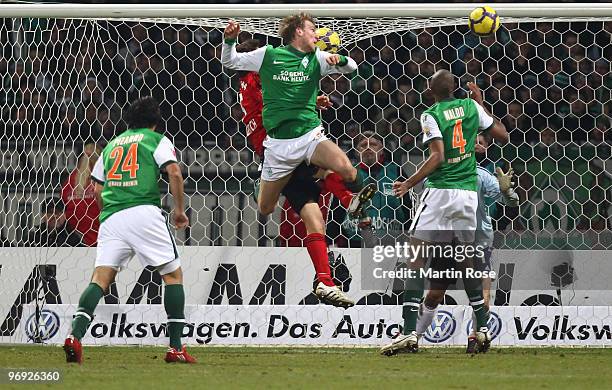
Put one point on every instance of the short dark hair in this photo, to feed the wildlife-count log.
(52, 204)
(368, 134)
(143, 113)
(248, 45)
(287, 26)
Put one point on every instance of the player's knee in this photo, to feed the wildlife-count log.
(104, 277)
(315, 227)
(174, 277)
(347, 171)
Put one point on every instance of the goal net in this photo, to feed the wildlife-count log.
(67, 80)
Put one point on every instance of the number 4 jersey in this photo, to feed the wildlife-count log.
(456, 122)
(129, 170)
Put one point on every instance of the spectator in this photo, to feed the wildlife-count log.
(548, 145)
(53, 229)
(386, 214)
(82, 211)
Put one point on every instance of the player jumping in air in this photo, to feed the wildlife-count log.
(290, 78)
(447, 212)
(490, 190)
(132, 223)
(302, 191)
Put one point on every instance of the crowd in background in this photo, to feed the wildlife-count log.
(550, 84)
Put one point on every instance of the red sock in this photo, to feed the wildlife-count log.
(335, 185)
(317, 249)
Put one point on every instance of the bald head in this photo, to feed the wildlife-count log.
(442, 84)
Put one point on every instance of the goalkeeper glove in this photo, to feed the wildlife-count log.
(505, 179)
(511, 198)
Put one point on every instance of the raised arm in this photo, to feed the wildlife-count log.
(432, 136)
(335, 63)
(488, 122)
(250, 61)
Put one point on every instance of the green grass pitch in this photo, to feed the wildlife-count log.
(262, 367)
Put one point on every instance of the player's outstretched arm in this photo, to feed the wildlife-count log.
(497, 130)
(335, 63)
(436, 157)
(175, 177)
(231, 59)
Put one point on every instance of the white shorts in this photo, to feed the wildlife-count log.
(142, 231)
(445, 214)
(282, 156)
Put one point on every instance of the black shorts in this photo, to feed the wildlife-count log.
(302, 188)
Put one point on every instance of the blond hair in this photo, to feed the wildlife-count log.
(288, 26)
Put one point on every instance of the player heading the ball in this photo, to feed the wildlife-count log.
(290, 77)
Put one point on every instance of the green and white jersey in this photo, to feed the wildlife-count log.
(289, 83)
(129, 170)
(457, 123)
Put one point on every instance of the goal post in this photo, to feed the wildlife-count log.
(69, 72)
(388, 10)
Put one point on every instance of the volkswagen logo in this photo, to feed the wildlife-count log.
(494, 324)
(442, 327)
(47, 326)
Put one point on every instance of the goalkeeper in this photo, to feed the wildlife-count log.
(490, 189)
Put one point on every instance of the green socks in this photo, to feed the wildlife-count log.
(473, 289)
(87, 304)
(413, 293)
(174, 303)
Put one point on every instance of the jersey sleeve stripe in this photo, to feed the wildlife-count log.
(95, 179)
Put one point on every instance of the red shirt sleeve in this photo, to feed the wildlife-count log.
(82, 210)
(251, 102)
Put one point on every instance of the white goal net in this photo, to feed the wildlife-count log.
(66, 82)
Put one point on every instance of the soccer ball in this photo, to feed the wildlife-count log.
(327, 40)
(484, 21)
